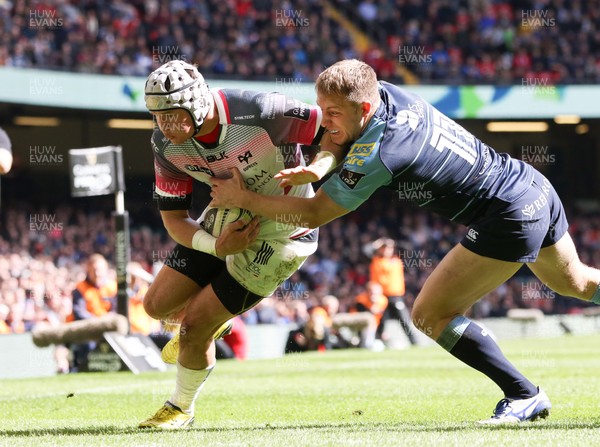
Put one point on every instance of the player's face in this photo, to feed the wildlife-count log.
(176, 125)
(344, 120)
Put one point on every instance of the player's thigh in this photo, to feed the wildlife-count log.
(558, 266)
(184, 273)
(460, 280)
(169, 293)
(205, 313)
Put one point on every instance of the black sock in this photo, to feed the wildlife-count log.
(469, 343)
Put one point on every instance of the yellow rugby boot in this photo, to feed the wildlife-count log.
(169, 417)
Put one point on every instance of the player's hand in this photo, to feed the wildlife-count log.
(300, 175)
(226, 192)
(237, 236)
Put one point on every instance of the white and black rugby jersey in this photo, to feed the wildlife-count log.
(259, 133)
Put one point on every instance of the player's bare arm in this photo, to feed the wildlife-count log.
(313, 212)
(236, 237)
(324, 162)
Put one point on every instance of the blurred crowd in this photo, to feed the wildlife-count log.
(243, 39)
(496, 42)
(41, 264)
(440, 41)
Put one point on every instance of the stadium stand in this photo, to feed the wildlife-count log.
(478, 42)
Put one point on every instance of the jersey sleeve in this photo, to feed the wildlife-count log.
(361, 175)
(289, 120)
(172, 188)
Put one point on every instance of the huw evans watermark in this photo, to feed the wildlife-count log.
(166, 53)
(44, 223)
(415, 259)
(413, 55)
(44, 155)
(45, 19)
(290, 18)
(538, 155)
(536, 18)
(535, 290)
(414, 192)
(170, 258)
(537, 87)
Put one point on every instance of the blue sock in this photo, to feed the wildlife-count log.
(470, 344)
(596, 296)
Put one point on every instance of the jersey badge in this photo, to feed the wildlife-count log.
(350, 178)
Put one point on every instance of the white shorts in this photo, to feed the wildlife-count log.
(263, 266)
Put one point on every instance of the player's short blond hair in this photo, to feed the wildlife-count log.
(352, 79)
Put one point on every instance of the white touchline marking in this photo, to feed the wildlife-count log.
(98, 390)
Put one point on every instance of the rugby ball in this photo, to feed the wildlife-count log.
(216, 219)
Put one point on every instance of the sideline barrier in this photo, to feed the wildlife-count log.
(20, 358)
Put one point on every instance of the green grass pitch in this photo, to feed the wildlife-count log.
(416, 397)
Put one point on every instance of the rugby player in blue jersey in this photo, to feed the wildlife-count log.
(512, 212)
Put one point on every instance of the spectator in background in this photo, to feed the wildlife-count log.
(319, 326)
(235, 344)
(386, 269)
(139, 281)
(93, 297)
(4, 311)
(373, 300)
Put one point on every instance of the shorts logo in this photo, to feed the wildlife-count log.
(264, 254)
(350, 178)
(472, 235)
(254, 269)
(539, 203)
(528, 210)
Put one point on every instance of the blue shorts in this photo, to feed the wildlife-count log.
(515, 231)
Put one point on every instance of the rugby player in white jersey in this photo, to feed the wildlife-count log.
(207, 280)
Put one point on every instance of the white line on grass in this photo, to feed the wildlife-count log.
(98, 390)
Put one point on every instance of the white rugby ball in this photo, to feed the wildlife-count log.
(216, 219)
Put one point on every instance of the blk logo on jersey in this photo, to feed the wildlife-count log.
(351, 178)
(245, 158)
(220, 156)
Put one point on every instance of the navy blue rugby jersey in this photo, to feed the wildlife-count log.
(413, 148)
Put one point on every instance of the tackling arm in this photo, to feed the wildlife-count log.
(325, 161)
(313, 212)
